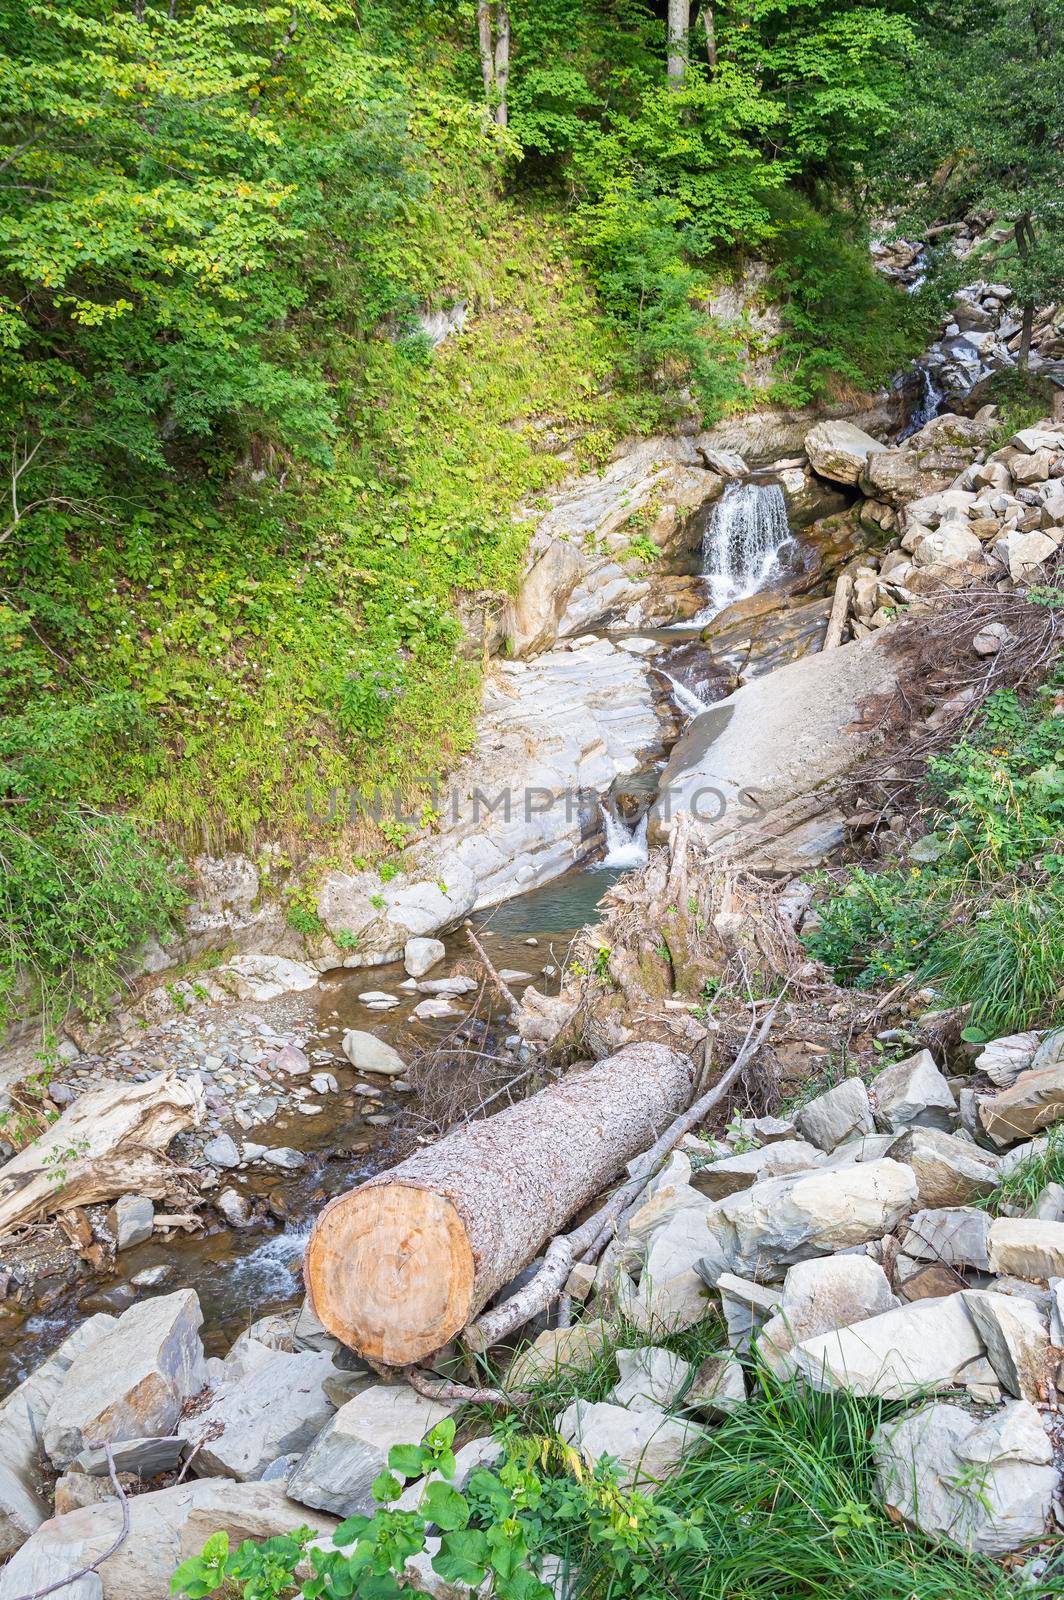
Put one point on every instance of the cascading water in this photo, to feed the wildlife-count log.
(743, 541)
(926, 407)
(683, 699)
(625, 846)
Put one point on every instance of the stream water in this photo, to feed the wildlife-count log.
(241, 1275)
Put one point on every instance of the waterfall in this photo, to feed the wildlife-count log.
(926, 407)
(683, 699)
(625, 846)
(742, 543)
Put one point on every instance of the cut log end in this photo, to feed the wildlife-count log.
(390, 1272)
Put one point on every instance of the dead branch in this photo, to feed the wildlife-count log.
(92, 1566)
(442, 1389)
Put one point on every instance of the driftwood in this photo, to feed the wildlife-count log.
(109, 1142)
(402, 1264)
(840, 609)
(493, 974)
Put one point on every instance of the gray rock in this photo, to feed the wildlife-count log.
(145, 1457)
(165, 1528)
(1002, 1060)
(1049, 1206)
(221, 1151)
(367, 1053)
(559, 1350)
(949, 1171)
(152, 1277)
(22, 1417)
(1024, 1247)
(718, 1387)
(421, 955)
(913, 1093)
(987, 1486)
(1016, 1338)
(844, 1112)
(648, 1445)
(734, 1173)
(759, 1232)
(133, 1382)
(839, 450)
(651, 1378)
(235, 1207)
(819, 1296)
(915, 1349)
(746, 1306)
(292, 1060)
(444, 987)
(958, 1236)
(337, 1470)
(131, 1219)
(277, 1407)
(1035, 1100)
(285, 1157)
(426, 1009)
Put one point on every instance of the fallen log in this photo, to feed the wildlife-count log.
(397, 1267)
(109, 1142)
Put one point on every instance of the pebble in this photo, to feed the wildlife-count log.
(310, 1111)
(289, 1160)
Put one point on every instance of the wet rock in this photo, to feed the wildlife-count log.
(283, 1156)
(1034, 1100)
(986, 1486)
(152, 1277)
(1016, 1338)
(648, 1445)
(839, 450)
(337, 1470)
(264, 977)
(235, 1207)
(444, 987)
(221, 1151)
(277, 1407)
(427, 1009)
(950, 1171)
(130, 1220)
(421, 955)
(650, 1380)
(133, 1382)
(367, 1053)
(914, 1349)
(718, 1387)
(913, 1093)
(819, 1296)
(292, 1060)
(1024, 1247)
(844, 1112)
(165, 1528)
(775, 1224)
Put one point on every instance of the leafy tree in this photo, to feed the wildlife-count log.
(982, 133)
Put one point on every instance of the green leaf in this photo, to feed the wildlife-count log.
(444, 1506)
(409, 1459)
(386, 1487)
(350, 1529)
(462, 1557)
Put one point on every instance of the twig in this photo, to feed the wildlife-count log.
(566, 1249)
(442, 1389)
(93, 1566)
(506, 992)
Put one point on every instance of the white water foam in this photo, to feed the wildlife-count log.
(744, 539)
(684, 700)
(625, 846)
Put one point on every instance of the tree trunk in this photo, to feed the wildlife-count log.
(840, 610)
(400, 1265)
(1024, 239)
(679, 23)
(493, 34)
(710, 26)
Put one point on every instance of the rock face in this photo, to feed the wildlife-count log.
(276, 1408)
(336, 1472)
(758, 1233)
(839, 450)
(165, 1528)
(755, 770)
(648, 1445)
(986, 1485)
(133, 1382)
(1016, 1338)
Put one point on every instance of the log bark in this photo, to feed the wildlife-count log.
(840, 610)
(108, 1143)
(397, 1267)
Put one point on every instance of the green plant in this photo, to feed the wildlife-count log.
(641, 548)
(1020, 1188)
(345, 939)
(304, 920)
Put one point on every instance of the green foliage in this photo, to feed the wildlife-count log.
(985, 919)
(1019, 1190)
(843, 323)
